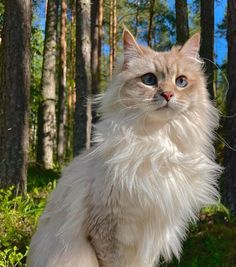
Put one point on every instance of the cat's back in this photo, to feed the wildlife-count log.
(65, 212)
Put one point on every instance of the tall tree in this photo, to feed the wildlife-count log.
(83, 117)
(207, 41)
(46, 118)
(96, 39)
(14, 94)
(230, 125)
(111, 43)
(182, 29)
(61, 122)
(71, 80)
(151, 14)
(137, 17)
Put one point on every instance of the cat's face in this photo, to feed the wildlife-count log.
(161, 85)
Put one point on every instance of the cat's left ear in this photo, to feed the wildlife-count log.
(192, 46)
(131, 47)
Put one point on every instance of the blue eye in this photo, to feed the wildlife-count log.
(181, 81)
(149, 79)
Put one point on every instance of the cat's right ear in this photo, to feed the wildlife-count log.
(131, 48)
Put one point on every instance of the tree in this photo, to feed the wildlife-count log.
(46, 118)
(150, 28)
(96, 42)
(71, 79)
(1, 19)
(137, 18)
(83, 117)
(62, 87)
(230, 125)
(207, 41)
(14, 94)
(182, 29)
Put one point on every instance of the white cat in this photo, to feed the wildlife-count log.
(128, 201)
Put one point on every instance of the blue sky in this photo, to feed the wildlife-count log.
(220, 43)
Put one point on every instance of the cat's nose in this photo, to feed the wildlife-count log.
(167, 95)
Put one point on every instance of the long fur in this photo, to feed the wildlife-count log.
(128, 201)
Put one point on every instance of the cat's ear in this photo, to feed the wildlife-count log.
(131, 48)
(192, 46)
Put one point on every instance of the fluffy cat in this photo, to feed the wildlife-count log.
(128, 201)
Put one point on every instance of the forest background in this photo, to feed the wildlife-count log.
(56, 53)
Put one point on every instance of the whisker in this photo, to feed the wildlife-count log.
(221, 139)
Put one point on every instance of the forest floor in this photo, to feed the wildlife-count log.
(210, 243)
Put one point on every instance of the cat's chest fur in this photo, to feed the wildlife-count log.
(151, 189)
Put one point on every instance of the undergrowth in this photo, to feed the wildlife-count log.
(19, 216)
(210, 243)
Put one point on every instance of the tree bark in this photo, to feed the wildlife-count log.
(151, 14)
(62, 86)
(230, 125)
(14, 94)
(182, 29)
(46, 121)
(83, 117)
(96, 38)
(207, 41)
(137, 18)
(71, 82)
(111, 29)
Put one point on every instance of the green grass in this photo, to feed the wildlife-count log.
(210, 243)
(19, 216)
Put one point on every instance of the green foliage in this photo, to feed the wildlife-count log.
(12, 257)
(37, 44)
(210, 243)
(19, 216)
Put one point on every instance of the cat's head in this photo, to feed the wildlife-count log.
(157, 85)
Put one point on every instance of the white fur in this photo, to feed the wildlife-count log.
(151, 177)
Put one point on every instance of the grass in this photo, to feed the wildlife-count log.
(19, 216)
(210, 243)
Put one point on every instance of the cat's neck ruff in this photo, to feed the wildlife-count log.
(169, 173)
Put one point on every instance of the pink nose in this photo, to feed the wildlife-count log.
(167, 95)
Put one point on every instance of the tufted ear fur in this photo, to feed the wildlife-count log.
(131, 48)
(192, 46)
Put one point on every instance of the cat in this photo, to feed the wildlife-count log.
(127, 202)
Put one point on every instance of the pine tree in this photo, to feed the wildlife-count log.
(14, 94)
(83, 117)
(61, 122)
(207, 41)
(230, 125)
(47, 113)
(182, 29)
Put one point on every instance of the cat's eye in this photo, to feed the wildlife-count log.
(149, 79)
(181, 81)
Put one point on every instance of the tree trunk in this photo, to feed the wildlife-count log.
(230, 125)
(62, 86)
(182, 29)
(111, 28)
(71, 82)
(114, 37)
(100, 34)
(83, 117)
(96, 32)
(137, 18)
(46, 121)
(14, 94)
(207, 41)
(151, 14)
